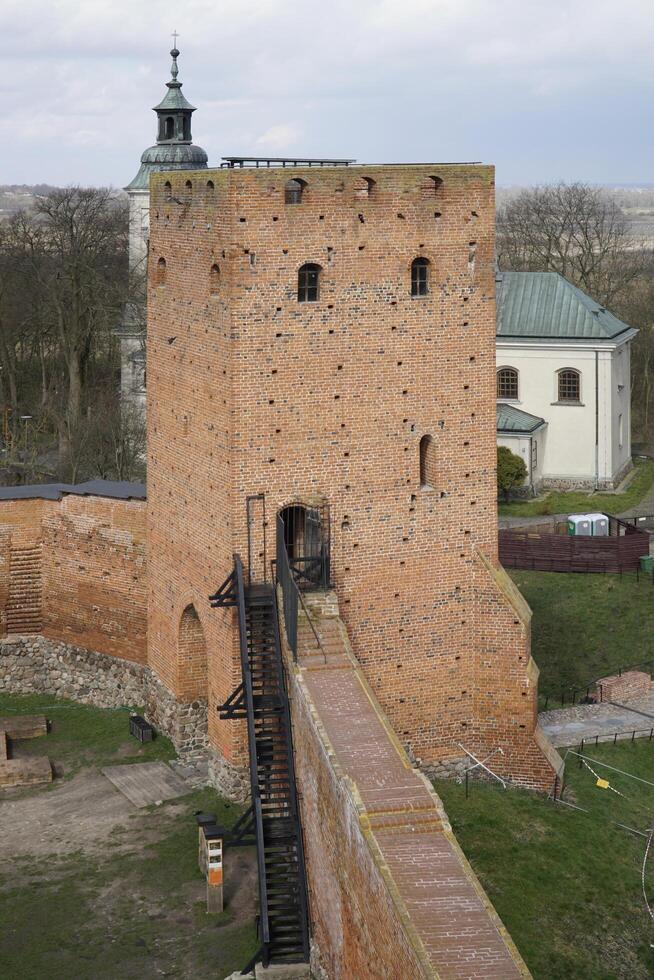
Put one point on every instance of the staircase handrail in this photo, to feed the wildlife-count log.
(264, 922)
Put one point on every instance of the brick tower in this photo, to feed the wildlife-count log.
(324, 337)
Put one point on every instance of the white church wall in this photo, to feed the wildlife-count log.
(568, 453)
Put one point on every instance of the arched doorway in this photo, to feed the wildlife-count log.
(303, 537)
(191, 656)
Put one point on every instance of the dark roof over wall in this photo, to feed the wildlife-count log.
(542, 305)
(118, 490)
(513, 420)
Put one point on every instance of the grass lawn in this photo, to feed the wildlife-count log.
(572, 502)
(81, 735)
(586, 626)
(566, 884)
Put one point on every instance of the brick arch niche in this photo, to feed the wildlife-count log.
(191, 656)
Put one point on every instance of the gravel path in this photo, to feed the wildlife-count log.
(568, 726)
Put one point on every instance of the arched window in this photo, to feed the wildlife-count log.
(189, 186)
(168, 188)
(187, 128)
(169, 129)
(294, 190)
(432, 187)
(365, 187)
(420, 277)
(192, 656)
(308, 281)
(304, 534)
(507, 383)
(214, 280)
(569, 385)
(210, 185)
(160, 273)
(427, 462)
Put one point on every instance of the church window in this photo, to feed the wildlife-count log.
(569, 385)
(420, 277)
(294, 190)
(308, 283)
(169, 128)
(507, 383)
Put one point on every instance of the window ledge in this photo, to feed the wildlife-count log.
(570, 404)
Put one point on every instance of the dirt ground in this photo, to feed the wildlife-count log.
(92, 887)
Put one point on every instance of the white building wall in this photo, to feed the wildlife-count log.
(531, 449)
(569, 450)
(139, 230)
(621, 408)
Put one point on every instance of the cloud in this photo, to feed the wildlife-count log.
(540, 86)
(279, 137)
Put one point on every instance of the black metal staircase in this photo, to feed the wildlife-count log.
(273, 818)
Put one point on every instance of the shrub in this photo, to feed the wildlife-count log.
(511, 471)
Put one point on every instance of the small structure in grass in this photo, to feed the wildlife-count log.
(33, 771)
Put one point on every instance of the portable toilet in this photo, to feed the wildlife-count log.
(579, 524)
(599, 524)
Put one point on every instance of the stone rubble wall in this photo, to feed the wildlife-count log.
(37, 665)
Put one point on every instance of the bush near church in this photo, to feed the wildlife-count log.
(511, 471)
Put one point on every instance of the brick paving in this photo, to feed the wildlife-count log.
(459, 930)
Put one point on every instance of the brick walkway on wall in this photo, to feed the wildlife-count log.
(448, 913)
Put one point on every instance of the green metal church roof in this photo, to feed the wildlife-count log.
(543, 305)
(515, 421)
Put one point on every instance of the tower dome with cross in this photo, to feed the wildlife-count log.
(174, 150)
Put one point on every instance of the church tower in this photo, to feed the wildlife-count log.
(173, 150)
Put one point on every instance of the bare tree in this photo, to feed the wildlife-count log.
(73, 247)
(574, 229)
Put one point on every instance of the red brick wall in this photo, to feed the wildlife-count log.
(192, 656)
(355, 922)
(622, 687)
(93, 569)
(252, 392)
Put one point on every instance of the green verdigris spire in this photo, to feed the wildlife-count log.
(174, 149)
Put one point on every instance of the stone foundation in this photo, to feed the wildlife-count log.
(36, 665)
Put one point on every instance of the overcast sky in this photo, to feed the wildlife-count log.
(544, 89)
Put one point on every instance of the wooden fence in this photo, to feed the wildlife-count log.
(531, 547)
